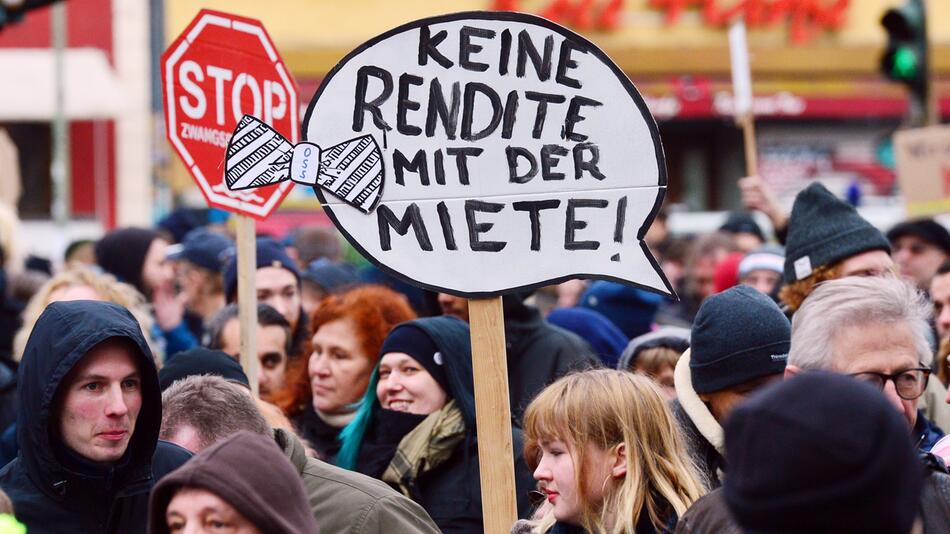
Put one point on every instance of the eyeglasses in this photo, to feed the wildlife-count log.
(909, 384)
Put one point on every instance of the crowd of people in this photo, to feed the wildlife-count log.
(797, 385)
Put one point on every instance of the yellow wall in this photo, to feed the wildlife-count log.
(312, 35)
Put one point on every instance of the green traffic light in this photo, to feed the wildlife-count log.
(905, 64)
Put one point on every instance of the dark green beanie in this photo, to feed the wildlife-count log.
(824, 230)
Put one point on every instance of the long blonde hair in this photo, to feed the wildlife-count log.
(105, 285)
(605, 408)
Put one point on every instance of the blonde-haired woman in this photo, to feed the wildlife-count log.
(81, 283)
(608, 456)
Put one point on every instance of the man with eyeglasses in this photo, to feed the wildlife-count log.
(828, 239)
(874, 329)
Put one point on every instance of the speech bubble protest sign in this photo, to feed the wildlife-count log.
(514, 152)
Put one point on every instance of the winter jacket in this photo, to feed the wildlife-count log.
(704, 435)
(711, 515)
(708, 515)
(450, 492)
(347, 502)
(538, 353)
(643, 526)
(926, 434)
(319, 434)
(11, 311)
(49, 496)
(8, 405)
(934, 405)
(935, 502)
(10, 321)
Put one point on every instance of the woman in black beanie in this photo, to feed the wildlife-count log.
(415, 429)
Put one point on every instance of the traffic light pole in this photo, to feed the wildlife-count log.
(906, 58)
(932, 104)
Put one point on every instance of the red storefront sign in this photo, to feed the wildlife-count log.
(805, 18)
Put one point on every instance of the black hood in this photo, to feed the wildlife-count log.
(521, 320)
(452, 337)
(63, 334)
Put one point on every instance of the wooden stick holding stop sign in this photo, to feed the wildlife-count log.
(200, 109)
(247, 297)
(493, 414)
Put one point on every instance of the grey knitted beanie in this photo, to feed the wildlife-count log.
(823, 230)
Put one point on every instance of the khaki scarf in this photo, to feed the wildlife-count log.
(426, 447)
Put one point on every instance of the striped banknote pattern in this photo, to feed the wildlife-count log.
(257, 156)
(353, 171)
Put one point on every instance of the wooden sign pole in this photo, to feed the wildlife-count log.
(247, 297)
(493, 415)
(747, 122)
(742, 92)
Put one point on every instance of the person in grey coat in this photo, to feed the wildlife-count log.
(203, 410)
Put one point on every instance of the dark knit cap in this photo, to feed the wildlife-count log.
(330, 276)
(415, 342)
(266, 489)
(180, 221)
(122, 252)
(928, 230)
(204, 248)
(269, 254)
(738, 335)
(201, 361)
(824, 230)
(671, 337)
(821, 453)
(631, 309)
(766, 257)
(740, 222)
(603, 336)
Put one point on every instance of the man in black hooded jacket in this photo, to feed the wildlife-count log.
(88, 423)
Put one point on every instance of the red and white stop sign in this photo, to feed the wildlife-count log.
(221, 67)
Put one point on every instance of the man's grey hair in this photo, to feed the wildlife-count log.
(213, 407)
(856, 301)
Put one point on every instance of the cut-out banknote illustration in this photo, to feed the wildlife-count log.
(257, 156)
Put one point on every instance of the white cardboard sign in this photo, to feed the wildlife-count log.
(923, 169)
(509, 153)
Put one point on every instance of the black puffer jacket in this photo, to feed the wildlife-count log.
(451, 493)
(538, 353)
(47, 495)
(711, 514)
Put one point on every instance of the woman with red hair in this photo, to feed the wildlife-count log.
(323, 391)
